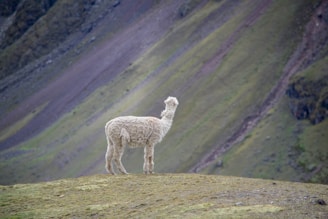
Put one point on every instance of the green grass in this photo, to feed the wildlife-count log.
(271, 142)
(284, 149)
(314, 153)
(169, 196)
(316, 71)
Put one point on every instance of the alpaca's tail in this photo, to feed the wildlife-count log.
(125, 135)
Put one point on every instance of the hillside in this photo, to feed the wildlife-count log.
(169, 196)
(229, 63)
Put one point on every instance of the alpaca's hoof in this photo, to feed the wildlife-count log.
(111, 172)
(148, 172)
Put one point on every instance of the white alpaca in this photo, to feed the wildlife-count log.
(137, 132)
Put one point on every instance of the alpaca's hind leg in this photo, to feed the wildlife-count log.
(146, 163)
(119, 149)
(149, 159)
(109, 157)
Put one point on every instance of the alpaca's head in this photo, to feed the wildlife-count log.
(171, 103)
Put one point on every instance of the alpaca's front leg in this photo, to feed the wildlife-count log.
(149, 159)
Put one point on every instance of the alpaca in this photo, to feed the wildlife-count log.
(137, 132)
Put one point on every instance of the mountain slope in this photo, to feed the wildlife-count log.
(169, 196)
(300, 149)
(223, 61)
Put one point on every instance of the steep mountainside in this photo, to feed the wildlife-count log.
(229, 63)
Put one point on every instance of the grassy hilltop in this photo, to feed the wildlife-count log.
(168, 196)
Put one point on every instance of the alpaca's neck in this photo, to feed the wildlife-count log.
(167, 120)
(166, 125)
(168, 115)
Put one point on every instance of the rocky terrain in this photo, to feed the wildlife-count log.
(309, 99)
